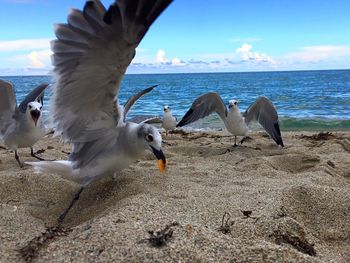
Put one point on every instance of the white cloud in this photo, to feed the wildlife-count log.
(161, 59)
(246, 53)
(312, 54)
(177, 62)
(33, 59)
(24, 44)
(39, 59)
(160, 56)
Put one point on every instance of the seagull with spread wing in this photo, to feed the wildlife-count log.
(21, 126)
(132, 100)
(262, 111)
(90, 56)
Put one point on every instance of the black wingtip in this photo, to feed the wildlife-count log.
(185, 118)
(109, 14)
(151, 88)
(88, 4)
(278, 140)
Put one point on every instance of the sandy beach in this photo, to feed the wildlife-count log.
(216, 203)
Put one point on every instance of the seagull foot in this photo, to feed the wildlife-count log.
(246, 139)
(35, 156)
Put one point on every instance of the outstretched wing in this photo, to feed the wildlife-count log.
(131, 101)
(36, 94)
(203, 106)
(91, 54)
(7, 97)
(263, 111)
(7, 105)
(146, 119)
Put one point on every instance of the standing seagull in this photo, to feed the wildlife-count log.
(90, 57)
(21, 126)
(262, 110)
(169, 121)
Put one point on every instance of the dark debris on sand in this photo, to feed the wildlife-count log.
(40, 151)
(30, 251)
(226, 224)
(301, 244)
(322, 136)
(161, 237)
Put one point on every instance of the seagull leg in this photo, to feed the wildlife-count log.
(76, 198)
(235, 145)
(18, 160)
(35, 156)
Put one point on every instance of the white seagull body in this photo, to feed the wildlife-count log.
(169, 121)
(234, 122)
(22, 126)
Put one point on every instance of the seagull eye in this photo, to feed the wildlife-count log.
(149, 138)
(30, 106)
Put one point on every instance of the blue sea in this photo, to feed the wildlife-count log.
(305, 100)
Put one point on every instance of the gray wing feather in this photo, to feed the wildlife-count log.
(7, 97)
(146, 119)
(203, 106)
(264, 112)
(131, 101)
(7, 105)
(36, 94)
(90, 56)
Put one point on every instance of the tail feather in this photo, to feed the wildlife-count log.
(62, 168)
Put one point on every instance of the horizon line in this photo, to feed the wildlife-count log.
(215, 72)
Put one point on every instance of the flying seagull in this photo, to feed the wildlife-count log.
(90, 56)
(21, 126)
(262, 111)
(169, 121)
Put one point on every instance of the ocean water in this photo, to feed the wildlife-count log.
(305, 100)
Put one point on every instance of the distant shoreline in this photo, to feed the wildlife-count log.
(184, 73)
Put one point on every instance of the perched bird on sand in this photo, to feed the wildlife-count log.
(169, 121)
(90, 56)
(262, 111)
(21, 126)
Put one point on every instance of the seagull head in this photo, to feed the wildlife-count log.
(166, 108)
(34, 110)
(233, 104)
(152, 141)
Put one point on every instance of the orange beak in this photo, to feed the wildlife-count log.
(161, 161)
(161, 165)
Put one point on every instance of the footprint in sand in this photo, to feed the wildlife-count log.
(294, 163)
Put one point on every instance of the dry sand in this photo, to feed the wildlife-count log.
(279, 205)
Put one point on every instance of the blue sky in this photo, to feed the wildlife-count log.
(196, 36)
